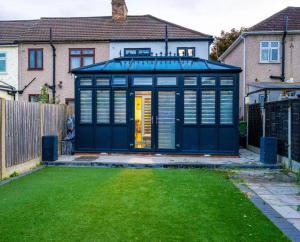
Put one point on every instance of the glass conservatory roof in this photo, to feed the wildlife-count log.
(156, 64)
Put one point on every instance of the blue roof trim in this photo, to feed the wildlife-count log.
(157, 64)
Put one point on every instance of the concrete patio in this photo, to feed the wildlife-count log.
(247, 159)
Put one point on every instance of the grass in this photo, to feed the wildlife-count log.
(82, 204)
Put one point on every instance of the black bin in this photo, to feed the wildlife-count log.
(268, 150)
(50, 148)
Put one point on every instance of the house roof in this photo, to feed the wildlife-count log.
(276, 21)
(11, 30)
(157, 64)
(144, 27)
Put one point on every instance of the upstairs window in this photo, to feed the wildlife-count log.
(81, 57)
(137, 52)
(2, 62)
(35, 59)
(269, 51)
(186, 51)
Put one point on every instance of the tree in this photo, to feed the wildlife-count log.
(222, 42)
(44, 95)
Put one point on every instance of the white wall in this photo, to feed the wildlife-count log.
(11, 74)
(202, 47)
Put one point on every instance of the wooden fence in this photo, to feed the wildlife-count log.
(23, 125)
(276, 125)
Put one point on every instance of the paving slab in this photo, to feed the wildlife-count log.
(287, 212)
(295, 222)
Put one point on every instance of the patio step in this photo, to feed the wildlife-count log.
(161, 165)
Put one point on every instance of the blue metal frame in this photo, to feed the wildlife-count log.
(192, 138)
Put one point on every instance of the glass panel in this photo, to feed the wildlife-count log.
(166, 81)
(31, 59)
(88, 52)
(226, 81)
(191, 52)
(274, 55)
(120, 107)
(208, 107)
(2, 65)
(103, 107)
(130, 52)
(265, 44)
(144, 52)
(208, 81)
(142, 81)
(274, 44)
(142, 119)
(75, 52)
(119, 81)
(86, 82)
(190, 81)
(88, 61)
(181, 52)
(226, 107)
(75, 62)
(166, 120)
(86, 107)
(102, 81)
(2, 55)
(39, 59)
(190, 107)
(264, 55)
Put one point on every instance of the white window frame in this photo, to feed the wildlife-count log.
(5, 61)
(269, 49)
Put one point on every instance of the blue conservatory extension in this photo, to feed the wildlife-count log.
(159, 104)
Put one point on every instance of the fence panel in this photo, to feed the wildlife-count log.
(277, 124)
(296, 130)
(54, 120)
(254, 125)
(23, 132)
(25, 124)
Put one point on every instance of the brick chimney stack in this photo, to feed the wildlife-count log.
(119, 10)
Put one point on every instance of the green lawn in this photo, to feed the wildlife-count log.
(85, 204)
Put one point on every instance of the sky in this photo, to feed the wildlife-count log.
(206, 16)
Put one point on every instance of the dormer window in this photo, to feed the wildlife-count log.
(186, 51)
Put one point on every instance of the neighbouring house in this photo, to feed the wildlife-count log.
(9, 52)
(81, 41)
(165, 104)
(269, 54)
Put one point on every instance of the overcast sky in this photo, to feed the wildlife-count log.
(206, 16)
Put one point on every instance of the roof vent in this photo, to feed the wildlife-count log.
(119, 11)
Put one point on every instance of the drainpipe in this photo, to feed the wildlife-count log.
(53, 87)
(244, 75)
(282, 77)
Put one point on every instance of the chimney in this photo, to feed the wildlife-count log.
(119, 10)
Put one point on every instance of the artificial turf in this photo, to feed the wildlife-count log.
(85, 204)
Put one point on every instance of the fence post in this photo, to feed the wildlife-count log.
(290, 134)
(2, 139)
(42, 119)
